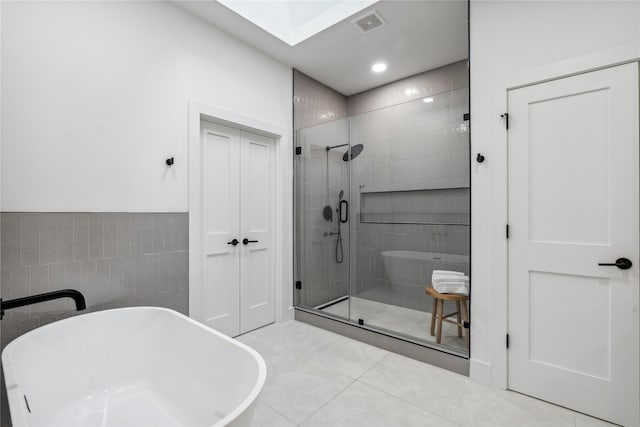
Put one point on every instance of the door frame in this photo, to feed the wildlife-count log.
(493, 368)
(283, 203)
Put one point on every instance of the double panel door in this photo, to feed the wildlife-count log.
(237, 225)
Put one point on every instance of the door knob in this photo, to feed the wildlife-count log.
(234, 242)
(621, 263)
(246, 241)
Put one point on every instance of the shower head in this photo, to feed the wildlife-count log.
(355, 152)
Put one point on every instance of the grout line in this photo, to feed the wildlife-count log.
(375, 364)
(276, 411)
(329, 401)
(348, 385)
(409, 403)
(398, 397)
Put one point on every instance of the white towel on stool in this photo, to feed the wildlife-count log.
(447, 273)
(449, 279)
(450, 284)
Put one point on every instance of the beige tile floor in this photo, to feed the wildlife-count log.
(402, 320)
(318, 378)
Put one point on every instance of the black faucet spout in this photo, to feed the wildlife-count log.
(76, 296)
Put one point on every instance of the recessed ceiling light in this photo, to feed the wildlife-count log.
(427, 100)
(378, 67)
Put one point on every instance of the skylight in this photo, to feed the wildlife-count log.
(294, 21)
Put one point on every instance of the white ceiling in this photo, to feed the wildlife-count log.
(420, 35)
(293, 21)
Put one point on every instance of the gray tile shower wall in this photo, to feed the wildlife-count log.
(114, 259)
(432, 82)
(315, 103)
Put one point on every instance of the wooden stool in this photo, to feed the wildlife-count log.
(438, 307)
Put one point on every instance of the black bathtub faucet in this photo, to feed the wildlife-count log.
(76, 296)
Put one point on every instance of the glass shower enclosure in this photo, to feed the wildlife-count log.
(382, 199)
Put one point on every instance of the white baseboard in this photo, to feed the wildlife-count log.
(480, 371)
(289, 314)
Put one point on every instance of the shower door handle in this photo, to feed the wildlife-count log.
(343, 208)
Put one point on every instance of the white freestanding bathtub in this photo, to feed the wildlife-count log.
(142, 366)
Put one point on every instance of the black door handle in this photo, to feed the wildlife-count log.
(621, 263)
(343, 208)
(246, 241)
(234, 242)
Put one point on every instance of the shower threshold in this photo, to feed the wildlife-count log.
(436, 355)
(332, 302)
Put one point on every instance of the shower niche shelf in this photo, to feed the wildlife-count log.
(433, 206)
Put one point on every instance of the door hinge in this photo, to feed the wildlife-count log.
(298, 151)
(298, 284)
(505, 116)
(466, 116)
(507, 230)
(466, 324)
(507, 341)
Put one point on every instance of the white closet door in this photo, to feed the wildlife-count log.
(257, 266)
(573, 204)
(220, 225)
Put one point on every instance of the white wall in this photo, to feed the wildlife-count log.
(95, 98)
(509, 40)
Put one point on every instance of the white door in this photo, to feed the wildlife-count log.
(237, 202)
(257, 288)
(220, 152)
(573, 204)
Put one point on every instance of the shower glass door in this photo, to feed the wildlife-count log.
(322, 188)
(383, 200)
(410, 215)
